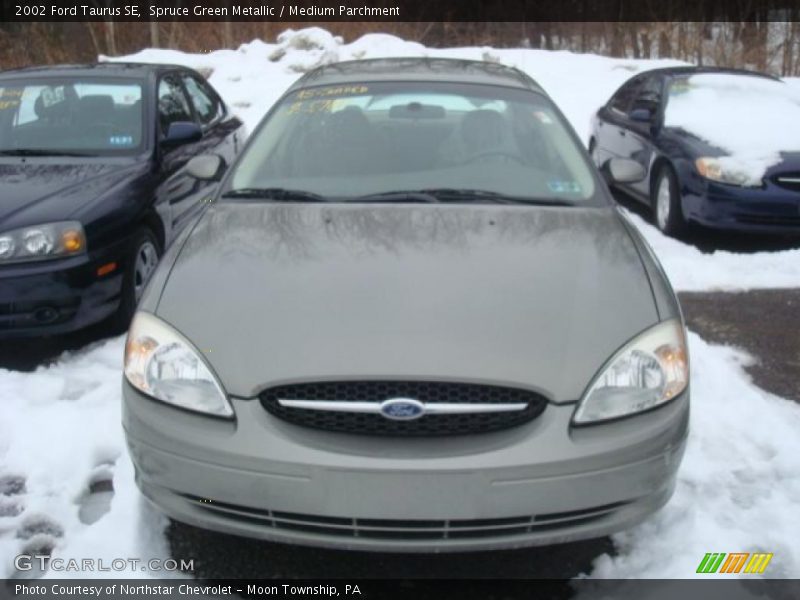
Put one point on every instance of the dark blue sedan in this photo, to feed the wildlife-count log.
(691, 176)
(94, 186)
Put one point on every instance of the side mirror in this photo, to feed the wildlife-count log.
(206, 167)
(182, 132)
(623, 170)
(641, 115)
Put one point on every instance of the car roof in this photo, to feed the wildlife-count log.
(694, 70)
(417, 69)
(110, 69)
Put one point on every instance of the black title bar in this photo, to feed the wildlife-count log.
(744, 588)
(398, 10)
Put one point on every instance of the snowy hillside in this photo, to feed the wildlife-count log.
(739, 486)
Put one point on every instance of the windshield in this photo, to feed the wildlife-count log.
(351, 141)
(70, 115)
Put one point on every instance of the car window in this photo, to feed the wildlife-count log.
(351, 140)
(206, 104)
(621, 101)
(648, 96)
(172, 103)
(71, 114)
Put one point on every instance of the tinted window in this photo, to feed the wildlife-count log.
(649, 95)
(91, 115)
(172, 103)
(350, 140)
(623, 98)
(205, 102)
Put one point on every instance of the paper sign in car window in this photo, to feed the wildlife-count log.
(10, 98)
(121, 140)
(558, 186)
(332, 91)
(52, 96)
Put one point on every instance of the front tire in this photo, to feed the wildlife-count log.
(141, 262)
(666, 203)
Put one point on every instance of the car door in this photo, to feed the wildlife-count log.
(180, 196)
(640, 125)
(223, 134)
(612, 121)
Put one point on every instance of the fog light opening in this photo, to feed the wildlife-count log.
(45, 314)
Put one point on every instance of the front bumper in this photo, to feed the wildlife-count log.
(59, 296)
(770, 210)
(539, 483)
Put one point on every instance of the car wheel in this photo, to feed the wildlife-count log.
(140, 264)
(666, 203)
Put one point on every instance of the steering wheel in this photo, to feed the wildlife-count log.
(489, 153)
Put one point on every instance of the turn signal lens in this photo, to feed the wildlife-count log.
(72, 240)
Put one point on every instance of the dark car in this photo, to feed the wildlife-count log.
(93, 185)
(692, 177)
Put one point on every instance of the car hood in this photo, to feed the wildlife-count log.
(34, 190)
(525, 296)
(697, 147)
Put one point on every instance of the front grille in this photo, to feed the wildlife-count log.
(407, 529)
(788, 181)
(427, 392)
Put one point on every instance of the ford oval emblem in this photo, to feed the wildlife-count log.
(402, 409)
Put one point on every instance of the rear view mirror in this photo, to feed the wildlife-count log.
(623, 170)
(416, 110)
(182, 132)
(206, 167)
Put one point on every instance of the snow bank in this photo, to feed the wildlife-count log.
(60, 432)
(690, 270)
(753, 119)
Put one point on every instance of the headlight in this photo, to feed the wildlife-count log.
(648, 371)
(163, 364)
(53, 240)
(726, 169)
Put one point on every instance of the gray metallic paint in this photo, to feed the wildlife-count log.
(538, 297)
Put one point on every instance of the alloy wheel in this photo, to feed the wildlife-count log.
(144, 265)
(663, 202)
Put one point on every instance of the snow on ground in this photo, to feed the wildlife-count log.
(690, 270)
(60, 432)
(739, 486)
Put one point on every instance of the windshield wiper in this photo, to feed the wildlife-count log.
(41, 152)
(457, 195)
(467, 195)
(401, 196)
(275, 194)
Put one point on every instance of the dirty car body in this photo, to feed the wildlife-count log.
(491, 358)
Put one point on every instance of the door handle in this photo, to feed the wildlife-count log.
(622, 132)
